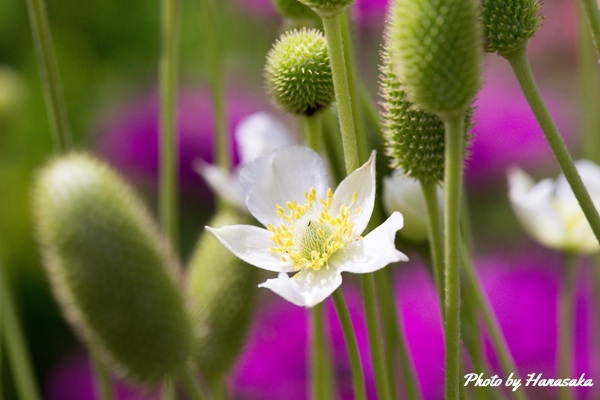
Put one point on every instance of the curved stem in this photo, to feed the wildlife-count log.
(168, 200)
(51, 83)
(312, 131)
(567, 324)
(358, 379)
(335, 47)
(520, 65)
(453, 170)
(104, 390)
(593, 16)
(14, 343)
(435, 234)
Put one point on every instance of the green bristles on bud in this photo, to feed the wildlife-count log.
(414, 139)
(298, 74)
(111, 271)
(221, 291)
(328, 8)
(509, 24)
(436, 52)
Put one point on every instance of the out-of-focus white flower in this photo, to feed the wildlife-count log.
(403, 193)
(549, 211)
(311, 231)
(256, 135)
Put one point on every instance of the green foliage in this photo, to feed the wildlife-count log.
(110, 269)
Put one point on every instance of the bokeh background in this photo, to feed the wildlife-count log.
(108, 58)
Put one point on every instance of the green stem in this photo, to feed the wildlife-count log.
(104, 390)
(358, 379)
(320, 387)
(453, 171)
(394, 335)
(167, 389)
(382, 380)
(520, 65)
(218, 388)
(353, 82)
(16, 349)
(590, 96)
(567, 324)
(335, 47)
(312, 131)
(51, 83)
(168, 201)
(593, 16)
(190, 385)
(435, 234)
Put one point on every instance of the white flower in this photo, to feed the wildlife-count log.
(550, 212)
(256, 135)
(311, 231)
(404, 194)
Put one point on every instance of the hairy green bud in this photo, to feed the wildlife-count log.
(328, 8)
(436, 50)
(110, 269)
(221, 291)
(509, 24)
(298, 73)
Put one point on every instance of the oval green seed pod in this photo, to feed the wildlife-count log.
(298, 73)
(509, 24)
(111, 271)
(221, 292)
(436, 52)
(328, 8)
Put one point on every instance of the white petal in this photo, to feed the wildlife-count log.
(535, 209)
(374, 251)
(590, 175)
(226, 185)
(282, 176)
(361, 183)
(251, 244)
(260, 134)
(307, 288)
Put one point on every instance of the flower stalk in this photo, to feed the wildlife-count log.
(567, 324)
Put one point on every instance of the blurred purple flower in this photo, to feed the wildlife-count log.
(275, 359)
(506, 131)
(129, 139)
(72, 379)
(370, 12)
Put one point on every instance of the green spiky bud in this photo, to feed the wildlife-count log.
(298, 73)
(509, 24)
(328, 8)
(110, 269)
(436, 52)
(221, 291)
(414, 139)
(293, 9)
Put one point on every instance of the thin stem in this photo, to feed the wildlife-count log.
(507, 363)
(353, 82)
(567, 324)
(312, 131)
(168, 201)
(218, 388)
(167, 389)
(382, 380)
(435, 234)
(520, 65)
(319, 386)
(593, 16)
(16, 349)
(590, 96)
(342, 91)
(103, 384)
(214, 60)
(453, 171)
(190, 385)
(358, 379)
(394, 335)
(51, 83)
